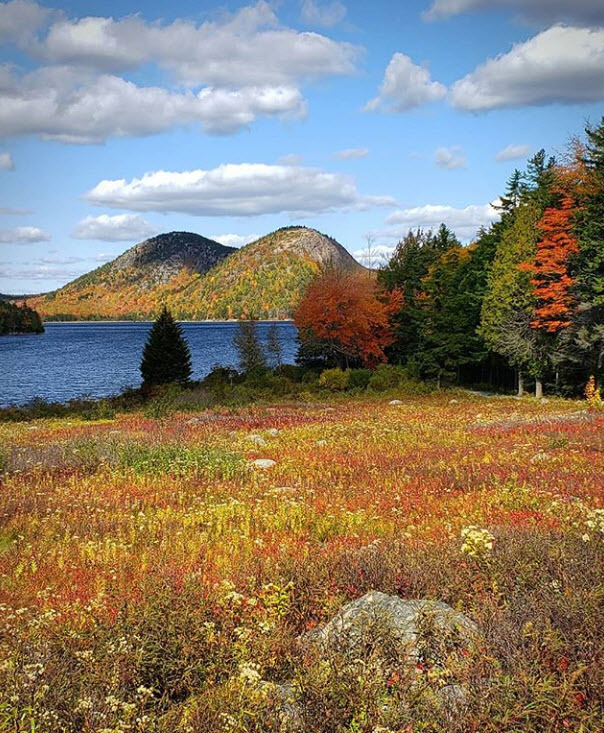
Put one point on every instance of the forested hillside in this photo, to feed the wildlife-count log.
(18, 319)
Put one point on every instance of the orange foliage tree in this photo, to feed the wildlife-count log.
(551, 281)
(347, 315)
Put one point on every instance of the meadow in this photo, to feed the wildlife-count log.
(154, 578)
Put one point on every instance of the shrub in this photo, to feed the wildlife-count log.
(99, 410)
(359, 378)
(335, 380)
(387, 376)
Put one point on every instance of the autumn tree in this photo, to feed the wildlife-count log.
(166, 355)
(345, 318)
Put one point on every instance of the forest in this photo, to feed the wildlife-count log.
(18, 319)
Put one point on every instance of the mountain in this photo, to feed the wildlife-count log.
(200, 279)
(134, 283)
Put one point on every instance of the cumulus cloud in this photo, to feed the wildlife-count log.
(465, 222)
(55, 273)
(405, 86)
(228, 72)
(20, 20)
(119, 228)
(6, 162)
(450, 158)
(235, 240)
(513, 152)
(23, 235)
(562, 64)
(351, 153)
(57, 104)
(245, 48)
(547, 11)
(246, 189)
(325, 14)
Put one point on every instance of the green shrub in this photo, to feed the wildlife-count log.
(100, 410)
(181, 460)
(335, 380)
(359, 378)
(387, 376)
(163, 403)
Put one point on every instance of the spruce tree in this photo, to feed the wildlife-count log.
(166, 355)
(273, 345)
(249, 349)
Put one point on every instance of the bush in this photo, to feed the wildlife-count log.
(387, 376)
(163, 403)
(359, 378)
(335, 380)
(100, 410)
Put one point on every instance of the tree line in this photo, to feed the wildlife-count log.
(524, 301)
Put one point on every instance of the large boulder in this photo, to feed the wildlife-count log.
(389, 622)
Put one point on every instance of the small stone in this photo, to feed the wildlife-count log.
(544, 400)
(256, 440)
(193, 421)
(453, 402)
(264, 463)
(395, 402)
(273, 432)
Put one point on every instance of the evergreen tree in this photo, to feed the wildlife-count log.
(273, 345)
(249, 349)
(589, 263)
(166, 355)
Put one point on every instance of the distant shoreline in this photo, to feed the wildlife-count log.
(231, 320)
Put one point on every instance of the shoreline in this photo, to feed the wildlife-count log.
(232, 320)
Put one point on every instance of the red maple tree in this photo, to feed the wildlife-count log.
(350, 312)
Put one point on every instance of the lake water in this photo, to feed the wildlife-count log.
(99, 359)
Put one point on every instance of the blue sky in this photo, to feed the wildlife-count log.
(232, 119)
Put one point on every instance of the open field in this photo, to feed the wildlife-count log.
(151, 576)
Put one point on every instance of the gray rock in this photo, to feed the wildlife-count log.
(453, 402)
(256, 440)
(395, 402)
(264, 463)
(388, 621)
(273, 432)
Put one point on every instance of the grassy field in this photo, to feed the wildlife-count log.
(152, 578)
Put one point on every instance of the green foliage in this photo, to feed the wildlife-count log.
(387, 377)
(273, 346)
(18, 319)
(166, 355)
(249, 349)
(335, 380)
(359, 378)
(181, 460)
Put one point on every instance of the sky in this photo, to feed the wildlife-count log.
(121, 120)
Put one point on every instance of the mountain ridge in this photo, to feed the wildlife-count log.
(199, 278)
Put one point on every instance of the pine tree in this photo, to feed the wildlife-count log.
(589, 263)
(166, 355)
(273, 345)
(249, 349)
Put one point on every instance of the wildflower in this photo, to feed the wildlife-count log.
(248, 672)
(477, 542)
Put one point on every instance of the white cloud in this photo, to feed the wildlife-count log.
(245, 48)
(562, 64)
(465, 222)
(23, 235)
(6, 162)
(120, 228)
(374, 256)
(41, 272)
(229, 72)
(513, 152)
(351, 153)
(59, 105)
(10, 211)
(450, 158)
(246, 189)
(20, 20)
(290, 159)
(405, 86)
(235, 240)
(547, 11)
(325, 14)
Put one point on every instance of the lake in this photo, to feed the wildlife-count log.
(99, 359)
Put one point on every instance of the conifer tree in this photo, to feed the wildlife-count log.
(166, 355)
(273, 345)
(249, 349)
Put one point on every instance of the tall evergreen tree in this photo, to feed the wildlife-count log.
(589, 263)
(273, 345)
(166, 355)
(249, 349)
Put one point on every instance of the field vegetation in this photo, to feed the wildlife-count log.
(154, 578)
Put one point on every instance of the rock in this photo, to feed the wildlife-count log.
(453, 699)
(453, 402)
(193, 421)
(273, 432)
(395, 402)
(263, 463)
(387, 621)
(286, 699)
(544, 400)
(256, 440)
